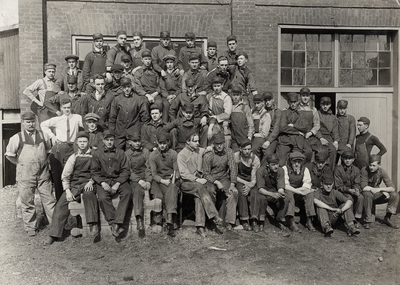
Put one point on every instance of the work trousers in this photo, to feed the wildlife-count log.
(358, 204)
(295, 199)
(168, 195)
(252, 201)
(379, 198)
(60, 152)
(278, 206)
(327, 217)
(138, 196)
(256, 146)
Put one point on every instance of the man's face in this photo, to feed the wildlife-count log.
(50, 73)
(109, 142)
(163, 146)
(217, 87)
(362, 127)
(155, 115)
(223, 66)
(273, 166)
(246, 151)
(211, 51)
(320, 164)
(374, 166)
(165, 41)
(135, 144)
(191, 89)
(71, 63)
(146, 61)
(259, 105)
(305, 98)
(241, 60)
(187, 114)
(296, 164)
(232, 45)
(29, 125)
(98, 43)
(66, 109)
(194, 143)
(325, 107)
(72, 86)
(236, 98)
(269, 103)
(91, 124)
(194, 64)
(219, 146)
(170, 64)
(99, 85)
(348, 161)
(137, 41)
(126, 64)
(82, 143)
(121, 40)
(127, 89)
(342, 111)
(328, 187)
(190, 42)
(117, 74)
(293, 104)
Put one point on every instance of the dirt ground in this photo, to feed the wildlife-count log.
(271, 257)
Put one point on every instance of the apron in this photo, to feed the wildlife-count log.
(361, 154)
(80, 176)
(216, 108)
(42, 112)
(244, 171)
(239, 126)
(296, 180)
(257, 123)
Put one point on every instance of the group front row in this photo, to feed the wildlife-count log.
(221, 181)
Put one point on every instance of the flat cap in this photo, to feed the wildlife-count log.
(117, 67)
(137, 34)
(258, 98)
(190, 35)
(97, 36)
(365, 120)
(108, 134)
(163, 137)
(245, 143)
(211, 44)
(342, 104)
(292, 97)
(374, 157)
(348, 154)
(273, 158)
(156, 106)
(327, 178)
(92, 116)
(126, 58)
(242, 53)
(326, 100)
(49, 66)
(169, 56)
(125, 81)
(188, 108)
(296, 155)
(133, 136)
(268, 96)
(189, 82)
(321, 156)
(218, 80)
(165, 34)
(121, 33)
(71, 56)
(236, 90)
(231, 38)
(218, 138)
(194, 56)
(28, 116)
(305, 90)
(82, 134)
(146, 53)
(72, 79)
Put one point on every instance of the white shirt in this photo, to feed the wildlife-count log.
(59, 124)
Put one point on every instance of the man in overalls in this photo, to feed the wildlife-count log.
(153, 127)
(318, 168)
(262, 124)
(365, 141)
(27, 150)
(115, 53)
(347, 128)
(95, 131)
(76, 180)
(247, 164)
(72, 70)
(271, 142)
(242, 126)
(137, 49)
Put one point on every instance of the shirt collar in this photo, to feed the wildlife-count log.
(106, 149)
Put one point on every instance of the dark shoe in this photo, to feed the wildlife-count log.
(171, 231)
(97, 238)
(292, 225)
(217, 228)
(367, 226)
(218, 220)
(140, 227)
(328, 230)
(261, 226)
(388, 222)
(352, 230)
(281, 226)
(246, 227)
(49, 241)
(94, 231)
(201, 232)
(309, 225)
(76, 232)
(254, 225)
(116, 230)
(228, 227)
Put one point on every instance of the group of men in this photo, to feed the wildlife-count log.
(134, 120)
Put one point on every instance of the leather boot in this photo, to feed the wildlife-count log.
(309, 225)
(140, 226)
(292, 225)
(175, 221)
(170, 226)
(254, 225)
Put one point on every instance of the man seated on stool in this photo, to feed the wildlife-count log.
(76, 180)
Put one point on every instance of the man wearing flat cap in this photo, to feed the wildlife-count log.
(298, 185)
(95, 61)
(221, 71)
(28, 151)
(365, 141)
(195, 73)
(159, 52)
(262, 125)
(114, 54)
(220, 170)
(348, 181)
(126, 62)
(271, 188)
(94, 130)
(372, 177)
(346, 126)
(271, 142)
(36, 92)
(110, 171)
(212, 57)
(186, 52)
(140, 179)
(113, 78)
(318, 168)
(248, 198)
(71, 71)
(153, 127)
(76, 181)
(230, 54)
(332, 205)
(128, 113)
(137, 49)
(172, 79)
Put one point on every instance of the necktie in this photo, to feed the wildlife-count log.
(68, 131)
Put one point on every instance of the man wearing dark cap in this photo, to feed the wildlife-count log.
(332, 205)
(242, 126)
(262, 124)
(94, 130)
(222, 71)
(41, 87)
(195, 73)
(270, 144)
(28, 151)
(128, 113)
(371, 178)
(152, 128)
(186, 52)
(159, 52)
(147, 82)
(212, 57)
(172, 79)
(164, 170)
(220, 170)
(347, 128)
(122, 47)
(71, 71)
(76, 181)
(140, 179)
(298, 185)
(328, 133)
(190, 164)
(110, 171)
(113, 78)
(247, 164)
(318, 168)
(137, 49)
(244, 78)
(126, 62)
(230, 54)
(95, 61)
(271, 188)
(365, 141)
(347, 180)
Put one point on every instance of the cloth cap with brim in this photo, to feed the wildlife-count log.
(125, 81)
(28, 116)
(189, 82)
(117, 67)
(211, 44)
(82, 134)
(273, 159)
(188, 108)
(134, 136)
(242, 53)
(375, 157)
(218, 138)
(165, 34)
(258, 98)
(342, 104)
(245, 143)
(194, 56)
(162, 137)
(190, 35)
(49, 66)
(72, 79)
(268, 96)
(92, 116)
(327, 179)
(108, 134)
(296, 156)
(71, 56)
(121, 33)
(305, 91)
(137, 34)
(292, 97)
(348, 154)
(365, 120)
(321, 156)
(326, 100)
(156, 106)
(97, 36)
(217, 80)
(169, 56)
(231, 38)
(146, 53)
(126, 58)
(236, 90)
